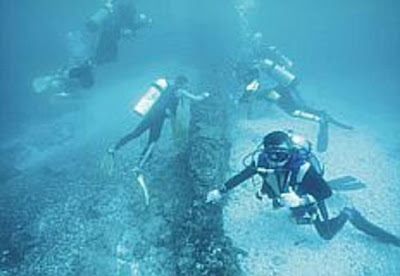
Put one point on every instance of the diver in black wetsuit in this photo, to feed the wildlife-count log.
(274, 67)
(115, 20)
(95, 44)
(165, 107)
(292, 177)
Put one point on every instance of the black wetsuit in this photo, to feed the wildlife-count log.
(289, 103)
(155, 118)
(82, 74)
(122, 17)
(312, 183)
(306, 180)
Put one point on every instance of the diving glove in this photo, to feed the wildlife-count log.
(111, 151)
(292, 200)
(214, 196)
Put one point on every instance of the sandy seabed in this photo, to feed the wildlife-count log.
(276, 246)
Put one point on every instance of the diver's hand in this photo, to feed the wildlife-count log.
(214, 196)
(127, 33)
(291, 199)
(111, 151)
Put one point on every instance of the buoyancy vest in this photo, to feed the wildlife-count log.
(277, 181)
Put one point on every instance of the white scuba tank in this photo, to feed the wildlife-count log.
(280, 58)
(150, 97)
(283, 76)
(278, 72)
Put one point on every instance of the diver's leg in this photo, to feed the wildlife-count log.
(320, 118)
(154, 136)
(146, 154)
(362, 224)
(307, 114)
(142, 127)
(327, 229)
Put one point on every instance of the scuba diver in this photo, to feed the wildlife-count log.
(95, 44)
(269, 77)
(66, 80)
(158, 103)
(115, 20)
(293, 178)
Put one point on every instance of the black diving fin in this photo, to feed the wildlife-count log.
(322, 139)
(346, 183)
(362, 224)
(339, 124)
(335, 122)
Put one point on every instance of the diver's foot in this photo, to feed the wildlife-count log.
(323, 118)
(137, 170)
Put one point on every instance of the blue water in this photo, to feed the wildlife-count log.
(346, 54)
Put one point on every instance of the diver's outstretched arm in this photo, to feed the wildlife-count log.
(146, 154)
(193, 97)
(328, 228)
(297, 97)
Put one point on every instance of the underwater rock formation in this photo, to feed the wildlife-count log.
(202, 248)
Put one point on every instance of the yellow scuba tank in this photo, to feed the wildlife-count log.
(150, 97)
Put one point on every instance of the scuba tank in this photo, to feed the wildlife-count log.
(280, 74)
(150, 97)
(279, 57)
(277, 65)
(97, 20)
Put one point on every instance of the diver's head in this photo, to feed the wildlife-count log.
(257, 39)
(277, 148)
(181, 81)
(257, 36)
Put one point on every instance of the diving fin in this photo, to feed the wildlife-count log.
(339, 124)
(322, 139)
(346, 183)
(143, 186)
(362, 224)
(107, 165)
